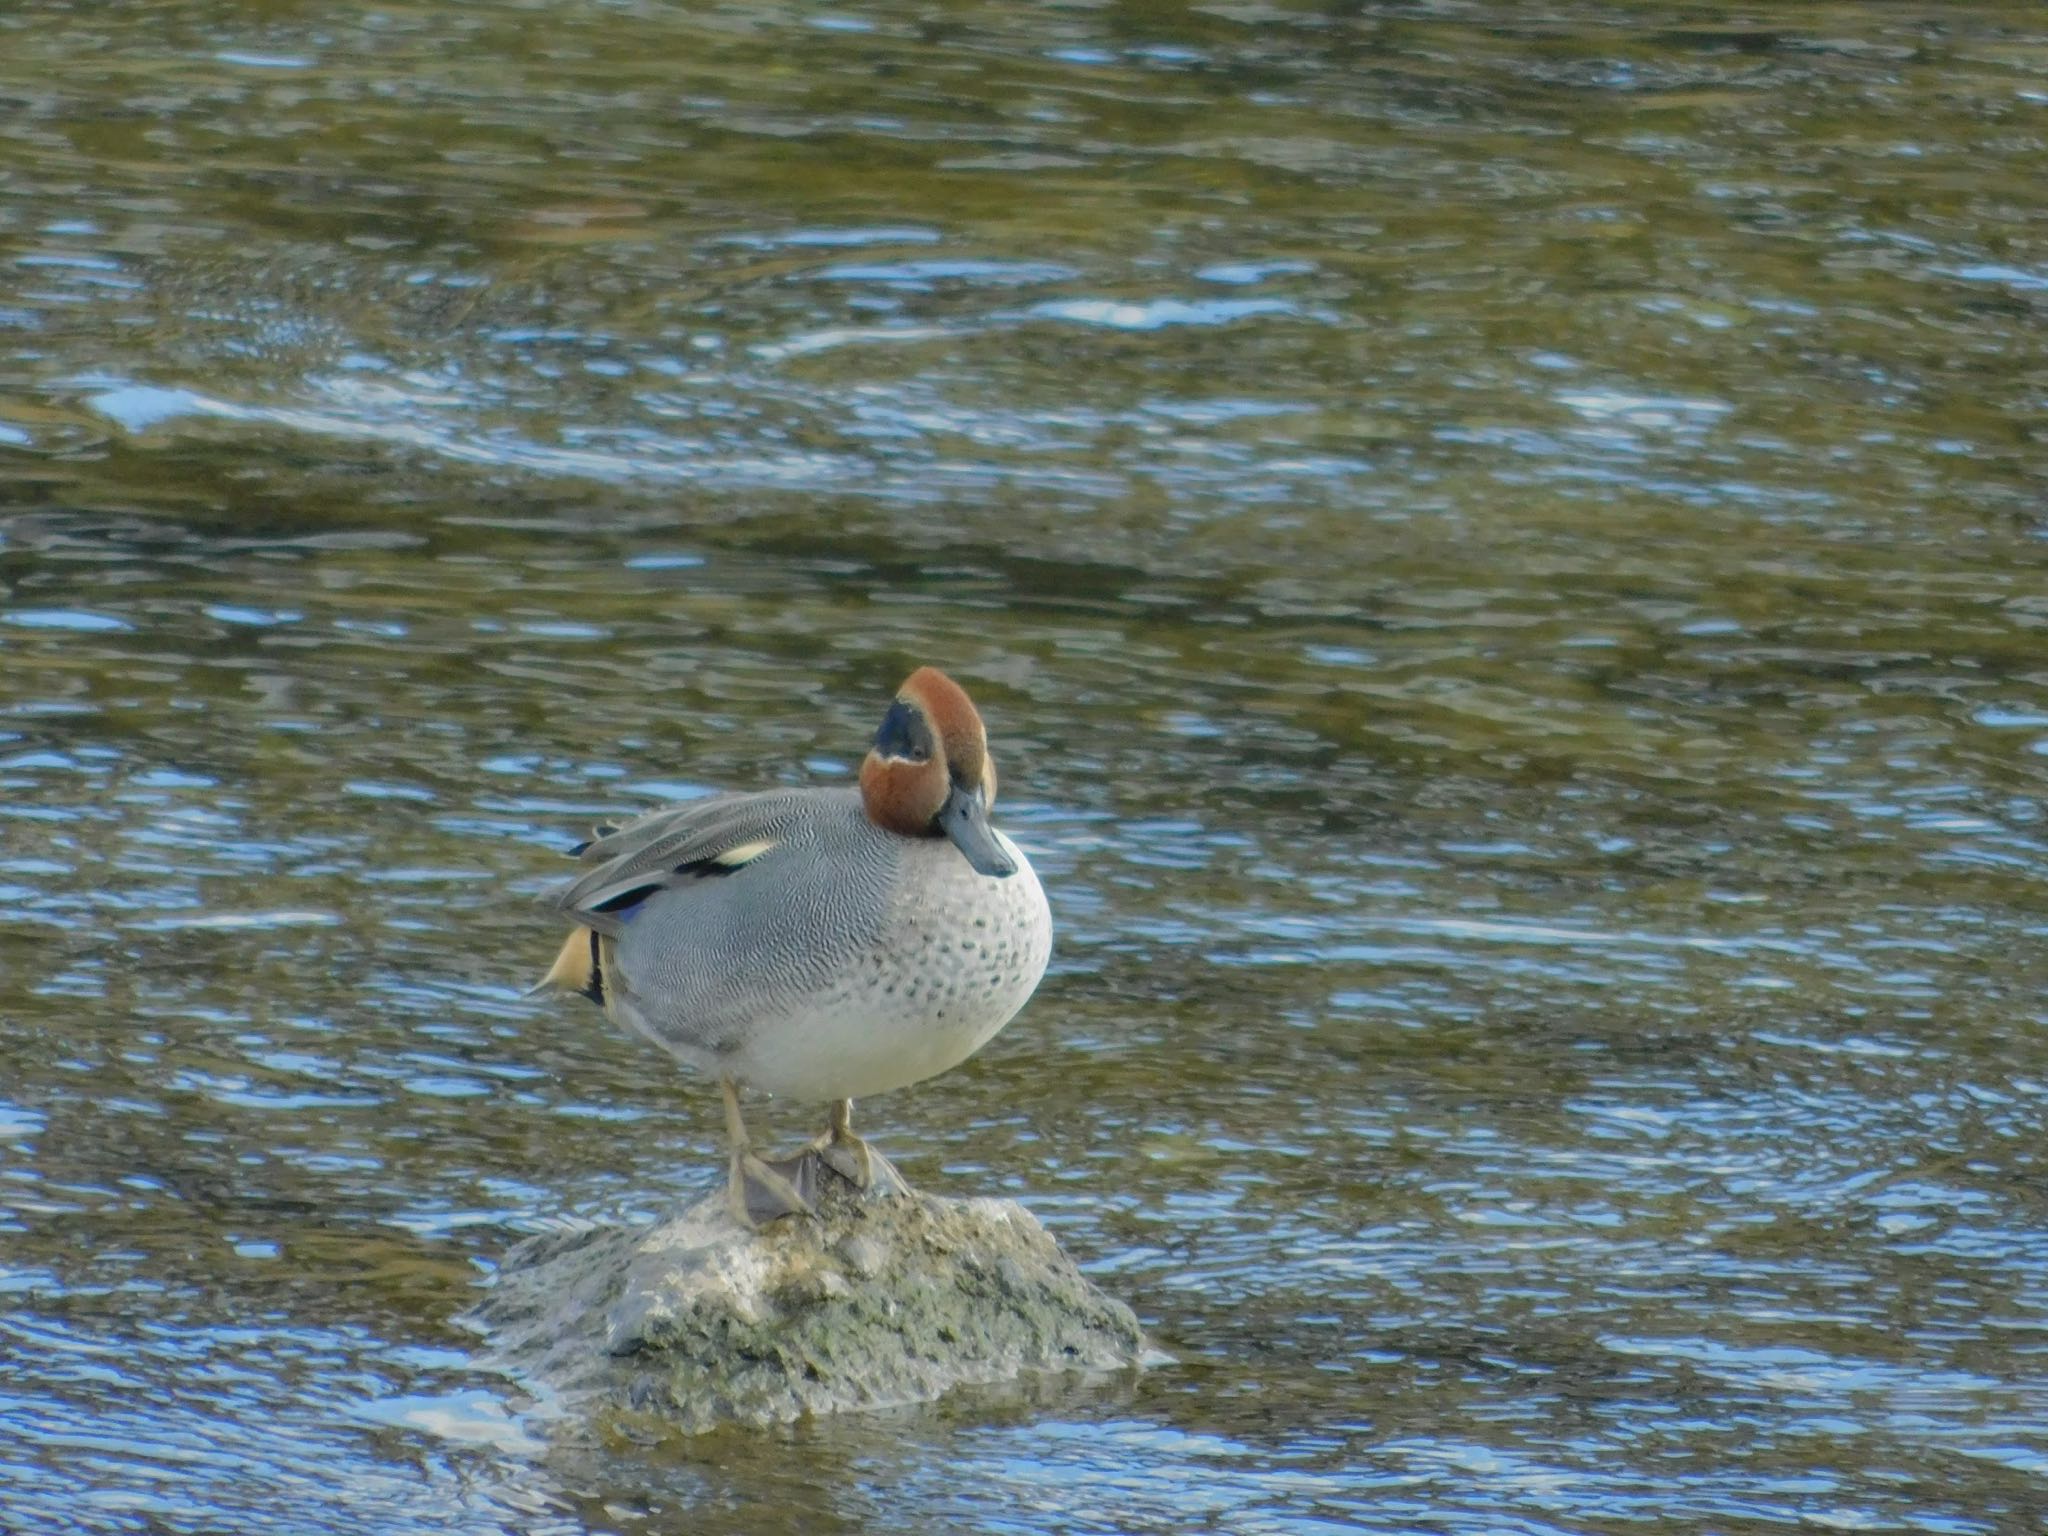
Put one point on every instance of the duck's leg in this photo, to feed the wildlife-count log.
(757, 1192)
(853, 1159)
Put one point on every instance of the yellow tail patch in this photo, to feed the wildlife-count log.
(576, 968)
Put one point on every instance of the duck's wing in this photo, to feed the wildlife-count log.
(702, 839)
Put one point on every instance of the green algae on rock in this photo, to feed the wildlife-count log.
(698, 1322)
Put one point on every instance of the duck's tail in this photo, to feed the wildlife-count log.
(579, 968)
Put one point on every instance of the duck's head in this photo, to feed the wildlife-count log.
(929, 773)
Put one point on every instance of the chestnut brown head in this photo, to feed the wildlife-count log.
(929, 773)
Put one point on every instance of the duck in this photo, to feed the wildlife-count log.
(818, 943)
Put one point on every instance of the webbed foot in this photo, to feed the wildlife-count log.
(760, 1191)
(854, 1159)
(857, 1162)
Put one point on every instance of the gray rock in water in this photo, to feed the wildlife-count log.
(877, 1302)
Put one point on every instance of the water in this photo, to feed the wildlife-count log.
(1502, 549)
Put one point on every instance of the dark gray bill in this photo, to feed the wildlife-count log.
(964, 818)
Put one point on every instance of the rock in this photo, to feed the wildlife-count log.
(874, 1302)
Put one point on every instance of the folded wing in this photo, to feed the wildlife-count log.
(704, 839)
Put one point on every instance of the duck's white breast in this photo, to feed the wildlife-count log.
(957, 954)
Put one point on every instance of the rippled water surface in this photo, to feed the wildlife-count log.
(1503, 550)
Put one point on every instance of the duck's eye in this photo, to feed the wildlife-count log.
(904, 734)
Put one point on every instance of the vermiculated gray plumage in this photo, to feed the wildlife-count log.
(836, 961)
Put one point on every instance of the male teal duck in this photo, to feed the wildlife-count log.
(818, 943)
